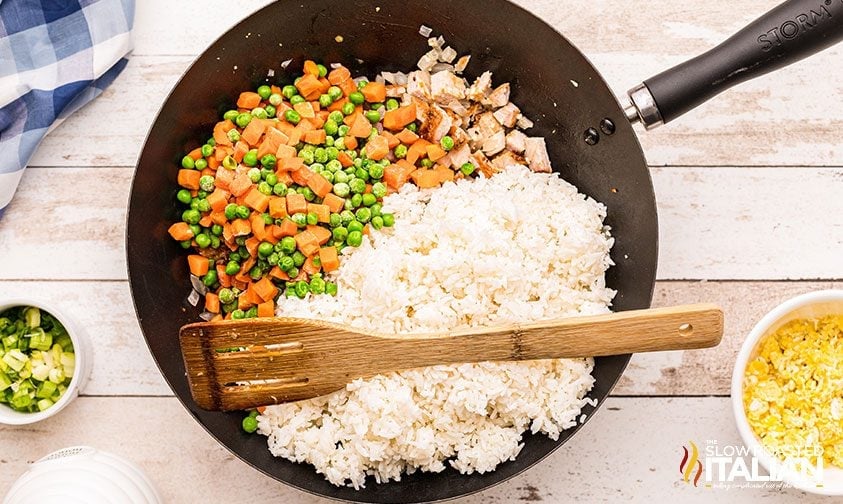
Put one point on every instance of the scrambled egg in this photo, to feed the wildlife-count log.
(793, 390)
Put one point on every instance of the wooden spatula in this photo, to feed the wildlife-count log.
(234, 365)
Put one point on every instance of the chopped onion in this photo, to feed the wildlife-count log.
(462, 63)
(270, 72)
(448, 54)
(336, 65)
(193, 298)
(206, 316)
(523, 122)
(425, 31)
(286, 63)
(198, 285)
(439, 67)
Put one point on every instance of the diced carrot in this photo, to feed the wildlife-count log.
(417, 150)
(308, 84)
(305, 110)
(328, 258)
(240, 227)
(222, 276)
(212, 302)
(350, 143)
(295, 136)
(285, 151)
(310, 266)
(360, 126)
(189, 179)
(338, 75)
(311, 68)
(345, 159)
(197, 264)
(241, 184)
(301, 176)
(252, 132)
(271, 141)
(333, 202)
(323, 213)
(315, 137)
(218, 217)
(209, 172)
(396, 175)
(435, 152)
(248, 100)
(304, 126)
(266, 309)
(296, 204)
(240, 150)
(258, 226)
(221, 132)
(252, 246)
(275, 89)
(195, 153)
(278, 274)
(205, 221)
(218, 199)
(223, 178)
(377, 148)
(397, 119)
(286, 228)
(265, 289)
(326, 85)
(180, 231)
(213, 163)
(319, 184)
(337, 105)
(392, 140)
(375, 92)
(444, 173)
(290, 164)
(348, 86)
(425, 178)
(244, 301)
(307, 243)
(256, 200)
(277, 207)
(285, 127)
(321, 233)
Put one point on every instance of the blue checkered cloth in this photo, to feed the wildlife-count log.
(55, 56)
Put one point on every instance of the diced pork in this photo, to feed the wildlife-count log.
(536, 155)
(488, 125)
(418, 84)
(481, 87)
(516, 141)
(505, 159)
(494, 144)
(499, 97)
(507, 115)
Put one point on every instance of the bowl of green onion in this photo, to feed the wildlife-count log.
(44, 360)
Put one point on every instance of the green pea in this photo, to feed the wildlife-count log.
(328, 176)
(279, 189)
(467, 169)
(335, 220)
(264, 249)
(356, 98)
(325, 101)
(333, 154)
(363, 172)
(184, 196)
(286, 263)
(340, 177)
(254, 175)
(231, 211)
(357, 185)
(323, 70)
(340, 234)
(348, 109)
(203, 240)
(275, 99)
(251, 158)
(312, 218)
(427, 162)
(347, 216)
(250, 424)
(289, 91)
(333, 165)
(298, 258)
(339, 143)
(317, 167)
(237, 315)
(355, 238)
(317, 285)
(356, 200)
(292, 116)
(355, 225)
(267, 219)
(400, 151)
(297, 99)
(191, 216)
(243, 119)
(216, 230)
(207, 150)
(269, 161)
(206, 183)
(272, 179)
(376, 172)
(233, 135)
(210, 277)
(259, 112)
(343, 130)
(335, 93)
(447, 143)
(243, 212)
(363, 214)
(256, 272)
(270, 110)
(377, 222)
(302, 288)
(378, 191)
(331, 127)
(187, 163)
(230, 115)
(200, 164)
(228, 162)
(320, 155)
(186, 244)
(293, 272)
(264, 91)
(369, 199)
(413, 127)
(331, 289)
(308, 194)
(232, 268)
(299, 219)
(376, 209)
(392, 104)
(307, 156)
(373, 116)
(388, 219)
(226, 295)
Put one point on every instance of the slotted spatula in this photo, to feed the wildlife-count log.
(234, 365)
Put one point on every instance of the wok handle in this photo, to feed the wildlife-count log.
(784, 35)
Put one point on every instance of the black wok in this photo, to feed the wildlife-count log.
(590, 140)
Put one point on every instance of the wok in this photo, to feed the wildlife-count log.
(589, 136)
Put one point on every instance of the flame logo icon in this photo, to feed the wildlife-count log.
(691, 461)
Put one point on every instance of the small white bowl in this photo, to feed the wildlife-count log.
(81, 372)
(811, 305)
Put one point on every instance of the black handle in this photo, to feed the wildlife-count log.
(786, 34)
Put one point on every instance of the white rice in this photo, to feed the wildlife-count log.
(518, 247)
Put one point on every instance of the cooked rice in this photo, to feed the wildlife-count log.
(517, 247)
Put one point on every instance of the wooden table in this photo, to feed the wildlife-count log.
(749, 192)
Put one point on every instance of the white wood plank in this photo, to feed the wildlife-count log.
(122, 362)
(788, 118)
(614, 457)
(715, 223)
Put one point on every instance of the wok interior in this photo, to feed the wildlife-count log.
(552, 83)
